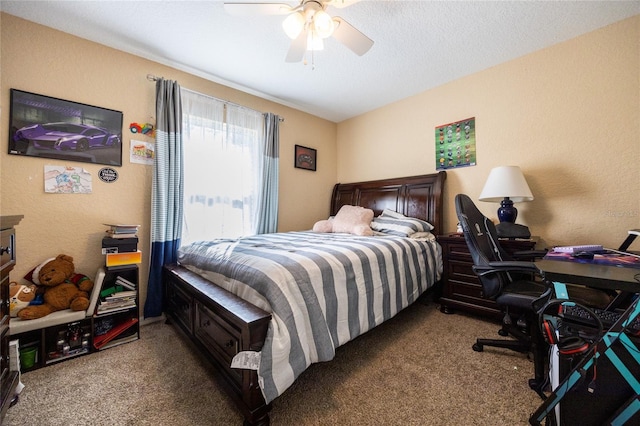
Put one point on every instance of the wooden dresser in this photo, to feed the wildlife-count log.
(461, 287)
(9, 379)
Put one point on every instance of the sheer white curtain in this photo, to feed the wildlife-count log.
(223, 146)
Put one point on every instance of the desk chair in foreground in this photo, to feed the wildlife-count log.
(512, 285)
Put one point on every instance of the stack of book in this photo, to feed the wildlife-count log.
(122, 295)
(122, 231)
(118, 301)
(121, 245)
(120, 281)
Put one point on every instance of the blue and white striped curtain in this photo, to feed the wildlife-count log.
(167, 195)
(268, 205)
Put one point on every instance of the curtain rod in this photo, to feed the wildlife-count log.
(152, 77)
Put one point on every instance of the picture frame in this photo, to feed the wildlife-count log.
(455, 144)
(48, 127)
(305, 158)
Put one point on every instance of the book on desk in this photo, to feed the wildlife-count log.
(602, 257)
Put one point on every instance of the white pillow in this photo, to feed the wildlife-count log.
(394, 223)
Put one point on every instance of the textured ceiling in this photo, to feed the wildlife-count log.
(418, 44)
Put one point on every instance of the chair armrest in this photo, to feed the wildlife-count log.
(506, 266)
(528, 268)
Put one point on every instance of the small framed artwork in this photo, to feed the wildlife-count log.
(42, 126)
(305, 158)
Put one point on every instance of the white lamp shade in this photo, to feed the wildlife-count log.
(506, 181)
(293, 25)
(323, 24)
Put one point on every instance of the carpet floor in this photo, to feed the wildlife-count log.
(416, 369)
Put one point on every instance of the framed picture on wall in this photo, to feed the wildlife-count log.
(42, 126)
(456, 144)
(305, 158)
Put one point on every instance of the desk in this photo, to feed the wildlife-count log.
(592, 275)
(626, 280)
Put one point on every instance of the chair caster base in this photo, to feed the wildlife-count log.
(538, 387)
(477, 347)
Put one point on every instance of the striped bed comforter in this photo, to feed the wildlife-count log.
(322, 290)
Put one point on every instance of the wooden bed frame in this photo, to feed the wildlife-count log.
(220, 324)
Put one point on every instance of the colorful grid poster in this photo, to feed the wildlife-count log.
(456, 144)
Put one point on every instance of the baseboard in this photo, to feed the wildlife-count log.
(147, 321)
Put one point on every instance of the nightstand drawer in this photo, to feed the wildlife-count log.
(462, 271)
(469, 293)
(457, 250)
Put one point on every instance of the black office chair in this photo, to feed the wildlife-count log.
(515, 286)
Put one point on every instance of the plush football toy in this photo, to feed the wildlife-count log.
(19, 297)
(61, 287)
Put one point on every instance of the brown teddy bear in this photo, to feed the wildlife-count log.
(61, 286)
(19, 297)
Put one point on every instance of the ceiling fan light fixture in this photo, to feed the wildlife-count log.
(313, 41)
(307, 24)
(293, 25)
(323, 24)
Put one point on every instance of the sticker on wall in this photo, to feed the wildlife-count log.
(108, 175)
(146, 129)
(456, 144)
(141, 152)
(67, 180)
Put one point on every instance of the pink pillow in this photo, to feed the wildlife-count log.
(353, 220)
(323, 226)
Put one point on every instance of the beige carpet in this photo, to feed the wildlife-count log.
(416, 369)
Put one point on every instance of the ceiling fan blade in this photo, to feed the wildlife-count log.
(244, 9)
(348, 35)
(297, 48)
(340, 4)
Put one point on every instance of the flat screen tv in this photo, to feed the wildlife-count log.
(42, 126)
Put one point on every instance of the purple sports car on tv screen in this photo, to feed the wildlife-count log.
(67, 137)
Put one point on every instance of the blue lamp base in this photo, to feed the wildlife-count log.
(506, 212)
(507, 228)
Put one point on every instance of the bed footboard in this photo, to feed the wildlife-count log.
(220, 324)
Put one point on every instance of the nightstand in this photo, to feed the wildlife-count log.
(461, 287)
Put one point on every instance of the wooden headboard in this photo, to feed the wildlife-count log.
(414, 196)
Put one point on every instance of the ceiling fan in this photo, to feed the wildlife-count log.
(308, 24)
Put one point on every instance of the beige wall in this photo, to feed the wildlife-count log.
(56, 64)
(568, 115)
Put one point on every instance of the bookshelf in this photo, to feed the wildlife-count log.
(66, 341)
(116, 317)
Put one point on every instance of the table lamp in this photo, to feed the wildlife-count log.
(505, 185)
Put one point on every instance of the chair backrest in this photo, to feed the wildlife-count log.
(482, 239)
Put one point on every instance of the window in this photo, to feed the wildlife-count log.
(223, 146)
